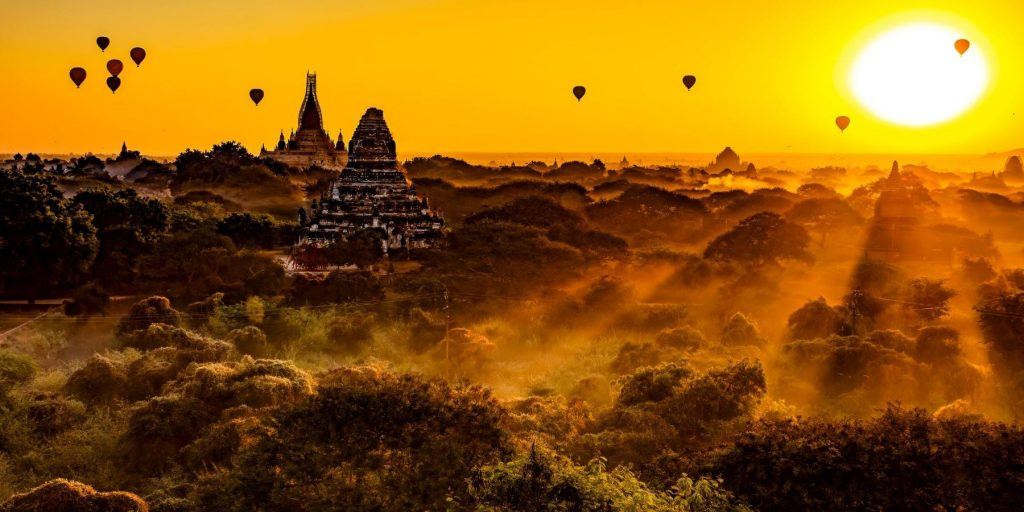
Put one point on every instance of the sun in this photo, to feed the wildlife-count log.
(911, 75)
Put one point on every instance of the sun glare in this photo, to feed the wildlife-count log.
(912, 75)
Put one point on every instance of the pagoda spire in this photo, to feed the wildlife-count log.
(894, 174)
(340, 146)
(310, 117)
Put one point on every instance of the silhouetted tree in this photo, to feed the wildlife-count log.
(46, 241)
(127, 226)
(759, 240)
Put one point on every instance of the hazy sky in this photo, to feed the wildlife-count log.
(486, 75)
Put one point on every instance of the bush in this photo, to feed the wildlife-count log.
(154, 310)
(51, 414)
(101, 381)
(686, 339)
(87, 300)
(468, 352)
(249, 340)
(15, 369)
(368, 440)
(162, 335)
(740, 331)
(637, 355)
(351, 333)
(159, 428)
(62, 495)
(667, 413)
(338, 287)
(547, 482)
(170, 350)
(816, 319)
(902, 460)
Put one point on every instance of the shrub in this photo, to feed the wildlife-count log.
(546, 482)
(351, 333)
(740, 330)
(368, 440)
(249, 340)
(101, 381)
(686, 339)
(51, 413)
(154, 310)
(15, 369)
(901, 460)
(62, 495)
(637, 355)
(159, 428)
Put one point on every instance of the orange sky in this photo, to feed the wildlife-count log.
(486, 75)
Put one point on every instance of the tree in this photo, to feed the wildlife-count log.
(759, 240)
(824, 215)
(249, 231)
(816, 319)
(504, 257)
(902, 460)
(362, 248)
(338, 287)
(193, 266)
(127, 226)
(561, 223)
(367, 440)
(929, 298)
(46, 242)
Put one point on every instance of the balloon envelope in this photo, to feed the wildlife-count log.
(962, 45)
(138, 55)
(114, 83)
(688, 81)
(842, 122)
(77, 76)
(103, 42)
(579, 91)
(256, 95)
(115, 67)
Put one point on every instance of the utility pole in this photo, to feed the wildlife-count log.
(447, 328)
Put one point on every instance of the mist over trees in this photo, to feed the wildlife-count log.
(588, 336)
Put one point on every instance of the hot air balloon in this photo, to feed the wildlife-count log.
(579, 91)
(138, 55)
(114, 83)
(115, 67)
(77, 76)
(103, 42)
(256, 95)
(962, 45)
(688, 81)
(842, 122)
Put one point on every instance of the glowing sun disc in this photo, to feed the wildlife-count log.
(911, 75)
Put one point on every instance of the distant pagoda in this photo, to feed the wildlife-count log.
(372, 193)
(309, 145)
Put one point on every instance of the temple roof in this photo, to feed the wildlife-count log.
(309, 114)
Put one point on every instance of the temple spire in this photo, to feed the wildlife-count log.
(309, 115)
(894, 174)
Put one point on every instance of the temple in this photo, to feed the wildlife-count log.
(309, 145)
(726, 160)
(372, 193)
(895, 231)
